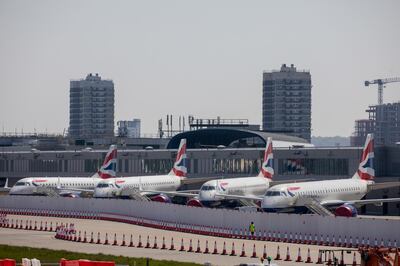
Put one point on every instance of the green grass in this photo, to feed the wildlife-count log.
(54, 256)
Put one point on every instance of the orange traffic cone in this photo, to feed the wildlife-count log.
(140, 245)
(198, 250)
(172, 244)
(233, 253)
(319, 261)
(288, 254)
(147, 242)
(243, 254)
(206, 251)
(123, 244)
(106, 240)
(115, 240)
(84, 237)
(299, 256)
(308, 256)
(265, 252)
(91, 238)
(98, 238)
(278, 254)
(155, 243)
(354, 260)
(341, 259)
(254, 255)
(131, 242)
(182, 246)
(224, 250)
(329, 258)
(215, 251)
(190, 246)
(163, 243)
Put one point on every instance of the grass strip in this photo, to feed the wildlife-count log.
(54, 256)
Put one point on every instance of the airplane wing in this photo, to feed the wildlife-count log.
(6, 188)
(359, 202)
(278, 182)
(373, 201)
(239, 197)
(383, 185)
(196, 180)
(172, 193)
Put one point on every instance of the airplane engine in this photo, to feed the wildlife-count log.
(194, 203)
(346, 210)
(161, 198)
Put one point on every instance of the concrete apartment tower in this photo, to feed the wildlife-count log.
(287, 102)
(91, 109)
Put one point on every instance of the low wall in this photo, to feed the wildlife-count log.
(384, 231)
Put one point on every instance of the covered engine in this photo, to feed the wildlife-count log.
(194, 203)
(346, 210)
(161, 198)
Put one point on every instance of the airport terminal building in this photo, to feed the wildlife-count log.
(237, 154)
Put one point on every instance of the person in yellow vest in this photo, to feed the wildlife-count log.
(252, 228)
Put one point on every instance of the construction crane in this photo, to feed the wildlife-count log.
(380, 83)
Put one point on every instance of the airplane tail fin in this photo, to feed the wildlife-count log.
(365, 169)
(6, 184)
(109, 167)
(180, 165)
(267, 167)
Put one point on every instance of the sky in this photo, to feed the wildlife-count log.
(202, 58)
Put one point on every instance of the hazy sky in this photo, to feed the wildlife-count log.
(203, 58)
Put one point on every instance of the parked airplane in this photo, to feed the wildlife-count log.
(342, 194)
(216, 191)
(142, 184)
(67, 186)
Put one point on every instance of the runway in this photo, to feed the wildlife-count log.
(18, 237)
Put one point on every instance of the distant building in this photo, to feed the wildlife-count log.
(287, 102)
(91, 108)
(383, 121)
(129, 129)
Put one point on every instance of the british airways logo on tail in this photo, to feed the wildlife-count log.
(109, 167)
(267, 168)
(366, 168)
(180, 165)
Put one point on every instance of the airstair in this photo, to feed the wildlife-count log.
(317, 208)
(249, 203)
(133, 194)
(47, 191)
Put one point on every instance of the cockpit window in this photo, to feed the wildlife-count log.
(273, 193)
(207, 187)
(20, 184)
(101, 185)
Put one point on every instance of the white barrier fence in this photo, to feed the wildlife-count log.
(213, 221)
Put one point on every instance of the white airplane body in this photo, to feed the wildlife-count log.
(214, 191)
(317, 195)
(145, 184)
(68, 185)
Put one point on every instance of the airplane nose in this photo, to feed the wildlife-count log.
(268, 203)
(205, 196)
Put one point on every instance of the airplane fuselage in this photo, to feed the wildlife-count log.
(27, 186)
(113, 187)
(244, 186)
(327, 192)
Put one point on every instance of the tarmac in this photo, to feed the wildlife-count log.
(44, 239)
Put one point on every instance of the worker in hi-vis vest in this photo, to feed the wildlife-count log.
(252, 228)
